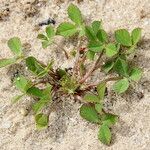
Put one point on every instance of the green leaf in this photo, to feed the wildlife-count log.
(90, 34)
(61, 72)
(42, 37)
(17, 98)
(121, 67)
(90, 55)
(111, 50)
(38, 106)
(98, 107)
(34, 66)
(135, 74)
(108, 66)
(42, 74)
(22, 83)
(96, 25)
(34, 91)
(44, 100)
(6, 62)
(15, 45)
(121, 86)
(123, 37)
(91, 98)
(75, 14)
(136, 35)
(89, 113)
(41, 121)
(104, 134)
(95, 46)
(66, 29)
(109, 119)
(50, 31)
(102, 36)
(101, 88)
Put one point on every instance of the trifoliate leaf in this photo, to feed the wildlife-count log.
(15, 45)
(75, 14)
(135, 74)
(123, 37)
(89, 113)
(95, 46)
(22, 83)
(66, 29)
(104, 134)
(108, 66)
(109, 119)
(7, 62)
(121, 86)
(111, 50)
(102, 36)
(136, 35)
(91, 98)
(50, 31)
(96, 25)
(121, 67)
(101, 90)
(41, 121)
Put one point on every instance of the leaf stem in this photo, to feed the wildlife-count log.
(105, 80)
(93, 68)
(65, 52)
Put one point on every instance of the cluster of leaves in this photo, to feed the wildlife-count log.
(115, 57)
(93, 112)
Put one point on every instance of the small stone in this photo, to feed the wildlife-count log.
(23, 111)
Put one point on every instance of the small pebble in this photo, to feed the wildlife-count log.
(23, 111)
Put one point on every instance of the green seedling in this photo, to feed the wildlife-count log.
(112, 58)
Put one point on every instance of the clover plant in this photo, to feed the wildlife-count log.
(110, 57)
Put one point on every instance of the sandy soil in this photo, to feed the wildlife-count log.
(67, 131)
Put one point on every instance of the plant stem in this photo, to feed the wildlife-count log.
(93, 68)
(77, 58)
(105, 80)
(65, 52)
(112, 79)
